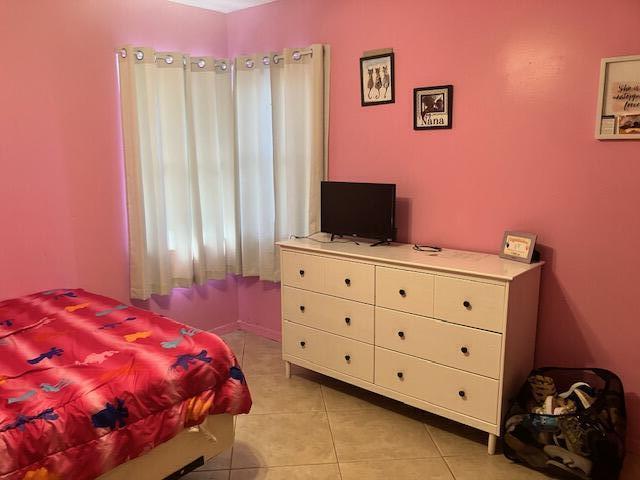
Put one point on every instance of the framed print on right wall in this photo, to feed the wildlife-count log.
(433, 107)
(618, 116)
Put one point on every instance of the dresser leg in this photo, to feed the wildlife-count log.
(491, 448)
(287, 369)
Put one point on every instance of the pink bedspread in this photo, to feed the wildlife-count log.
(87, 383)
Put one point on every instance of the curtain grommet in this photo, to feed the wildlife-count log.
(266, 60)
(168, 59)
(139, 54)
(296, 55)
(123, 52)
(201, 63)
(249, 63)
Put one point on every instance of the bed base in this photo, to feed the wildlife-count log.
(185, 452)
(197, 463)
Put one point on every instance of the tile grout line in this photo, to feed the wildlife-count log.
(444, 459)
(333, 442)
(266, 467)
(426, 427)
(433, 439)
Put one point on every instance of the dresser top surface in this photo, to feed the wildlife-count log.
(456, 261)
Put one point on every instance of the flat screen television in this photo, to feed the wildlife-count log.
(365, 210)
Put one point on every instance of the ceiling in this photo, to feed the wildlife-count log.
(224, 6)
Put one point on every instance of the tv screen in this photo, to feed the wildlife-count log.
(364, 210)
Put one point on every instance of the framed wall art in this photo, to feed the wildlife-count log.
(618, 116)
(433, 107)
(377, 79)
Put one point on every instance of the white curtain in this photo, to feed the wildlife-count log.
(178, 118)
(213, 183)
(281, 117)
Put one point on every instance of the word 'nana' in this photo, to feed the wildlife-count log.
(431, 120)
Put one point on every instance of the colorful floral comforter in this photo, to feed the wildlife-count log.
(87, 383)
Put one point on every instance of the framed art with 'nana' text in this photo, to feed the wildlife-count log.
(433, 107)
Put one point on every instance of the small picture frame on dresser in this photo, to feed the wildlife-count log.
(519, 246)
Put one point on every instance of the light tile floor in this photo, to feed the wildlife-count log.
(314, 427)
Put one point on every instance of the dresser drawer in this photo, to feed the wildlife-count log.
(470, 303)
(456, 346)
(337, 353)
(404, 290)
(305, 343)
(302, 271)
(348, 279)
(336, 315)
(453, 389)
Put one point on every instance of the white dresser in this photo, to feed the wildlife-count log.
(452, 333)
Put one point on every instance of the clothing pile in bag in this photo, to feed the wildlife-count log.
(569, 422)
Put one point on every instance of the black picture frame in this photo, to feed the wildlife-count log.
(447, 107)
(365, 98)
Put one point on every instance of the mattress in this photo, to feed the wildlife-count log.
(88, 383)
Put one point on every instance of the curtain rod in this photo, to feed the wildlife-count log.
(222, 65)
(169, 59)
(266, 60)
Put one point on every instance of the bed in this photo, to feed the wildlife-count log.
(93, 388)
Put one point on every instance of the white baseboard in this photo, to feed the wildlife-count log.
(226, 328)
(247, 327)
(259, 330)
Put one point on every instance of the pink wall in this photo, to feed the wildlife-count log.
(521, 154)
(259, 307)
(61, 167)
